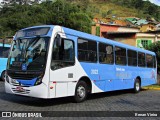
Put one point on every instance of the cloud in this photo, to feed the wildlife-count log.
(157, 2)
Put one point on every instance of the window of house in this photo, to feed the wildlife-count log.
(144, 43)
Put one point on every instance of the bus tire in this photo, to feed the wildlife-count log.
(137, 86)
(3, 76)
(81, 91)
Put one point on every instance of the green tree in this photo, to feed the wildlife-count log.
(59, 12)
(155, 47)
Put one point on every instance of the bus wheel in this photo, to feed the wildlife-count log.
(3, 76)
(80, 92)
(137, 86)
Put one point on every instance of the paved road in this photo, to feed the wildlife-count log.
(146, 100)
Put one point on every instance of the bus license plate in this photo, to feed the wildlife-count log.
(20, 89)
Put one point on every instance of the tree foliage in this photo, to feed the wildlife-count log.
(155, 47)
(15, 17)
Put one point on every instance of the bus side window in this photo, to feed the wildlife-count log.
(63, 55)
(105, 53)
(68, 50)
(4, 51)
(132, 58)
(141, 59)
(149, 60)
(118, 60)
(154, 57)
(87, 50)
(120, 54)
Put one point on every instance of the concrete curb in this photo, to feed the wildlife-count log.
(150, 88)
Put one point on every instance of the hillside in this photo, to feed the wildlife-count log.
(120, 8)
(109, 9)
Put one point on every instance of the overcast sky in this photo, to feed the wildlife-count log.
(157, 2)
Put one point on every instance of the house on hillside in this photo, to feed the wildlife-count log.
(141, 22)
(127, 35)
(133, 20)
(121, 23)
(147, 28)
(137, 21)
(119, 33)
(103, 20)
(146, 38)
(9, 2)
(158, 26)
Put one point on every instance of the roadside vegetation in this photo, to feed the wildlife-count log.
(155, 47)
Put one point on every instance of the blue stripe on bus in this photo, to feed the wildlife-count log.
(116, 77)
(27, 82)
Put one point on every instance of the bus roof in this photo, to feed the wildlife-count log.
(93, 37)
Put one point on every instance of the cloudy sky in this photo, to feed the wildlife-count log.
(157, 2)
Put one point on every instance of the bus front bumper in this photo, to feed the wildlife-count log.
(39, 91)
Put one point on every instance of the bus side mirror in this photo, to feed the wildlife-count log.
(58, 40)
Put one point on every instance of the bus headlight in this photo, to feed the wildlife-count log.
(39, 80)
(7, 78)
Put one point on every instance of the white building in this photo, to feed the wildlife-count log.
(8, 2)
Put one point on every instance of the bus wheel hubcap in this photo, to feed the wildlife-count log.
(137, 86)
(81, 91)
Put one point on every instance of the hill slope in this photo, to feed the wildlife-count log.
(120, 8)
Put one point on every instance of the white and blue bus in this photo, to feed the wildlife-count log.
(4, 50)
(53, 61)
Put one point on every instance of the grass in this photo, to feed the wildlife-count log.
(152, 87)
(97, 8)
(155, 86)
(116, 10)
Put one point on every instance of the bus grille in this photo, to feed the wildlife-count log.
(17, 84)
(23, 75)
(21, 92)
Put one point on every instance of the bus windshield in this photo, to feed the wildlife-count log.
(28, 54)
